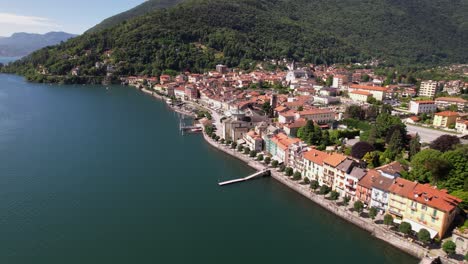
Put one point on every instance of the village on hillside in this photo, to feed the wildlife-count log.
(390, 150)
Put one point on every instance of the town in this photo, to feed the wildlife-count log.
(377, 149)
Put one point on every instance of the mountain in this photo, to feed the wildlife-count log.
(139, 10)
(21, 44)
(195, 35)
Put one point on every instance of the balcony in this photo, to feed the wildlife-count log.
(395, 212)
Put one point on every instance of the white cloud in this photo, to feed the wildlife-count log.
(10, 23)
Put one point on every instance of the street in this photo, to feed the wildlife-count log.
(427, 135)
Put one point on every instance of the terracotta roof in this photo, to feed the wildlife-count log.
(424, 102)
(361, 92)
(283, 141)
(381, 182)
(315, 111)
(334, 160)
(452, 99)
(298, 123)
(447, 113)
(316, 156)
(366, 181)
(435, 198)
(392, 168)
(402, 187)
(370, 88)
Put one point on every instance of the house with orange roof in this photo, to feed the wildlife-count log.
(254, 141)
(431, 209)
(330, 170)
(379, 93)
(279, 148)
(313, 165)
(319, 116)
(364, 186)
(445, 119)
(398, 201)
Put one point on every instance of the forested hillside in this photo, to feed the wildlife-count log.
(197, 34)
(139, 10)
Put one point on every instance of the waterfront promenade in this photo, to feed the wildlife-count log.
(364, 223)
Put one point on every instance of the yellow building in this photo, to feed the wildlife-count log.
(422, 206)
(359, 96)
(445, 119)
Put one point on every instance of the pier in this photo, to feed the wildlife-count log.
(261, 173)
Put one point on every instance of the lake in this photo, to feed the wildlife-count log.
(89, 175)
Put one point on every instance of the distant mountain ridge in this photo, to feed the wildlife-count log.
(22, 44)
(139, 10)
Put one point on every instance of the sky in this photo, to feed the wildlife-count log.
(42, 16)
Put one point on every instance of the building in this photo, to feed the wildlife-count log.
(462, 126)
(339, 81)
(295, 155)
(431, 209)
(319, 116)
(221, 68)
(326, 100)
(446, 102)
(313, 165)
(445, 119)
(351, 182)
(330, 170)
(292, 128)
(343, 169)
(421, 107)
(380, 192)
(364, 187)
(379, 93)
(191, 92)
(428, 88)
(359, 96)
(279, 147)
(398, 201)
(254, 141)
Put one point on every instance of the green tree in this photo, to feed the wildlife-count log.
(405, 228)
(233, 145)
(372, 159)
(274, 163)
(334, 195)
(246, 151)
(415, 145)
(240, 148)
(252, 153)
(372, 138)
(388, 220)
(324, 189)
(329, 80)
(445, 143)
(282, 167)
(449, 247)
(346, 200)
(372, 213)
(289, 171)
(314, 185)
(358, 207)
(260, 157)
(424, 235)
(267, 160)
(297, 176)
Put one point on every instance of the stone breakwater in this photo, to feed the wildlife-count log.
(377, 231)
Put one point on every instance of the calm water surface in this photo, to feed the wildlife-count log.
(89, 175)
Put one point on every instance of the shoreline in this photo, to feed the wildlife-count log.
(365, 224)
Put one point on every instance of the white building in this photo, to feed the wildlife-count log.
(421, 107)
(428, 88)
(313, 165)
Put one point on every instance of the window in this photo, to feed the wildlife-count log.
(424, 207)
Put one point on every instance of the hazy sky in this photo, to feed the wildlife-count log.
(41, 16)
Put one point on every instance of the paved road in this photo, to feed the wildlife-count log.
(427, 135)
